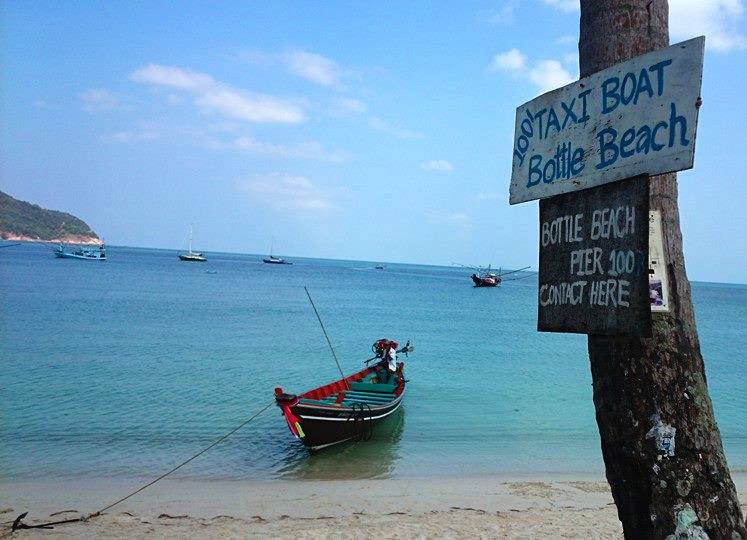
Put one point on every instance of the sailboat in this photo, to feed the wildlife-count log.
(275, 260)
(192, 256)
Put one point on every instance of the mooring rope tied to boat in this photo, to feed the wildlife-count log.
(363, 431)
(18, 523)
(329, 342)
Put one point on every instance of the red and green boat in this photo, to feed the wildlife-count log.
(347, 409)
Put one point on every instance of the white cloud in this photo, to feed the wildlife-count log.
(352, 105)
(512, 60)
(718, 20)
(129, 136)
(306, 150)
(98, 99)
(505, 14)
(221, 98)
(306, 65)
(141, 131)
(385, 127)
(288, 192)
(173, 77)
(258, 108)
(544, 74)
(565, 5)
(547, 75)
(313, 67)
(438, 165)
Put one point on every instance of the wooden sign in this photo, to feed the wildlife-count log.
(637, 117)
(593, 271)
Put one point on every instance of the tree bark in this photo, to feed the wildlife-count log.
(661, 446)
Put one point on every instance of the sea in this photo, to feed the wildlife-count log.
(127, 367)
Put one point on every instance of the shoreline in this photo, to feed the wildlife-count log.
(67, 239)
(574, 506)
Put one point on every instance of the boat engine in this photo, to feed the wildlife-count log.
(380, 347)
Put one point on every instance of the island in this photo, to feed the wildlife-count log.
(24, 221)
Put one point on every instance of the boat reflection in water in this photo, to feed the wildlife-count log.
(375, 458)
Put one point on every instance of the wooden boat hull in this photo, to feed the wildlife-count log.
(324, 427)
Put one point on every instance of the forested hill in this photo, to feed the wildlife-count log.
(20, 220)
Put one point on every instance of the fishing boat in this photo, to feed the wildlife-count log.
(347, 409)
(487, 279)
(192, 256)
(484, 276)
(88, 254)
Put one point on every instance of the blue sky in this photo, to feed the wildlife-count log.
(355, 130)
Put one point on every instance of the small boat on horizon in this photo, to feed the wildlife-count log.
(88, 254)
(379, 267)
(346, 409)
(275, 260)
(192, 256)
(271, 259)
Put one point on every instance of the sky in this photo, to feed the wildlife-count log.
(375, 131)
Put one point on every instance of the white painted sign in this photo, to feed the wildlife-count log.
(658, 284)
(637, 117)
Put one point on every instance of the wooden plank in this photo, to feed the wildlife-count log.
(593, 273)
(637, 117)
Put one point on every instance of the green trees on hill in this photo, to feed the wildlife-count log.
(26, 219)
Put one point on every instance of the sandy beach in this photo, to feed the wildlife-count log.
(388, 508)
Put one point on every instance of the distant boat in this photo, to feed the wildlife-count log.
(380, 267)
(491, 279)
(192, 256)
(88, 254)
(486, 277)
(275, 260)
(271, 259)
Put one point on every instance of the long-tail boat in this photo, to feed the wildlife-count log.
(346, 409)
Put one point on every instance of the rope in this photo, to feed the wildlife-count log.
(331, 348)
(19, 525)
(363, 431)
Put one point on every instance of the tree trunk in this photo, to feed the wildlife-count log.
(662, 449)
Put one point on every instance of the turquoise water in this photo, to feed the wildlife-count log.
(125, 368)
